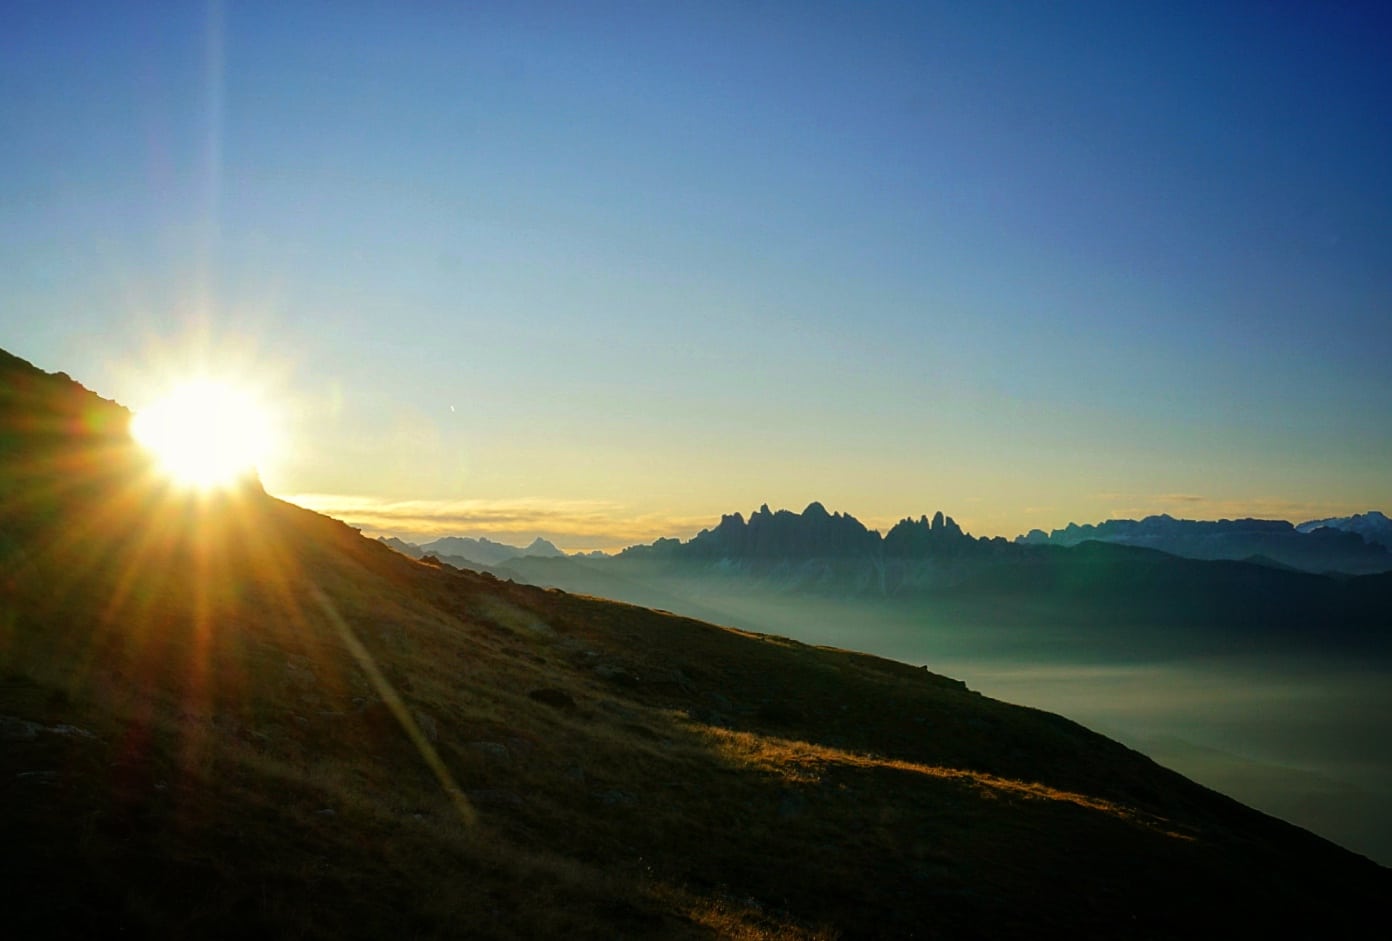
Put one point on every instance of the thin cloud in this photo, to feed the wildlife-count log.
(1196, 506)
(572, 524)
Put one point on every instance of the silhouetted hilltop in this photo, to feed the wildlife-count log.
(55, 435)
(1310, 547)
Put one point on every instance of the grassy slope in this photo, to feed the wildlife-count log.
(238, 716)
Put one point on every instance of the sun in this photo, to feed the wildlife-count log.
(205, 434)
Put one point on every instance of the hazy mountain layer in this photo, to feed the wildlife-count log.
(1373, 526)
(1126, 595)
(1312, 547)
(1349, 546)
(485, 551)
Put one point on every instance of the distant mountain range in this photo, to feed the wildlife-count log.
(1348, 546)
(1352, 545)
(1246, 584)
(1373, 526)
(817, 534)
(464, 552)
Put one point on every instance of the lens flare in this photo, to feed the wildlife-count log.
(205, 434)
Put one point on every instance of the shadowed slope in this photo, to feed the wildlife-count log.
(231, 715)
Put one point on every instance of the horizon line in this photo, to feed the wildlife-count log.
(593, 525)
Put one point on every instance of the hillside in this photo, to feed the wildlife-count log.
(228, 715)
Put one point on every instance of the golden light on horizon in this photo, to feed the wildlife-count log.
(206, 434)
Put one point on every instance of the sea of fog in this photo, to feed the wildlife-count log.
(1302, 740)
(1305, 738)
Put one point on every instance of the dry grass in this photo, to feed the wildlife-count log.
(805, 763)
(726, 916)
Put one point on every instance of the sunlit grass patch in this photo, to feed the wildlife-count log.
(739, 919)
(799, 762)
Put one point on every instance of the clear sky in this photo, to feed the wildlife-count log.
(602, 272)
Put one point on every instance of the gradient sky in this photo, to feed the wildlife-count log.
(602, 274)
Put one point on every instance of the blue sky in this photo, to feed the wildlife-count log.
(603, 274)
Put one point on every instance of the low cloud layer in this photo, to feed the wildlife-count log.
(571, 524)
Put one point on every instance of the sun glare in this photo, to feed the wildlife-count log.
(206, 435)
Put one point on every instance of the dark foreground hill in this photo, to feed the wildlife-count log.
(229, 715)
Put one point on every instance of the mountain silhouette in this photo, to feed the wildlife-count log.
(1122, 594)
(812, 534)
(1320, 546)
(464, 550)
(1373, 526)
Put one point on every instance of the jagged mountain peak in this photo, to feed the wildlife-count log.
(543, 547)
(816, 533)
